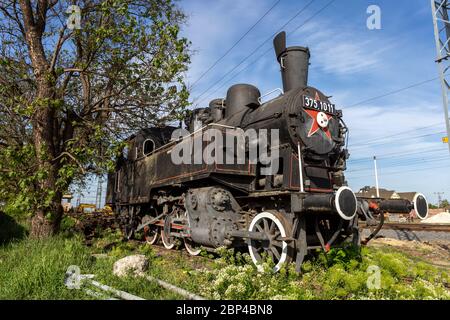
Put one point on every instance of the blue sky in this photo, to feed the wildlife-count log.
(350, 63)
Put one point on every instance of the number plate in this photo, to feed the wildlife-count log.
(323, 106)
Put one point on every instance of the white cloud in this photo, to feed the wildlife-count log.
(342, 51)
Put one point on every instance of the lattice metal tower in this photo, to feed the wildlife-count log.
(439, 194)
(440, 10)
(98, 196)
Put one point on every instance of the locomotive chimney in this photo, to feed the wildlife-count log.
(294, 62)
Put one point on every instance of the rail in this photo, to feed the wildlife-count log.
(414, 226)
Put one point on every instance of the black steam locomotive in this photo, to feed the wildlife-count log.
(304, 204)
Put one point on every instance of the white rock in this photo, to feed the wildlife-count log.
(130, 264)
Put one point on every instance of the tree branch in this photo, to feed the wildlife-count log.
(58, 47)
(65, 153)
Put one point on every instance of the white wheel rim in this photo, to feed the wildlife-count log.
(165, 239)
(338, 207)
(152, 240)
(414, 203)
(166, 244)
(190, 249)
(284, 249)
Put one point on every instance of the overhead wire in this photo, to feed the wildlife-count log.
(398, 154)
(396, 134)
(404, 171)
(255, 50)
(235, 44)
(391, 93)
(362, 146)
(263, 54)
(403, 163)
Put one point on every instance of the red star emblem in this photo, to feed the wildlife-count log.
(315, 125)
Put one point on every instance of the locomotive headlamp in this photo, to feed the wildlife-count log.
(420, 206)
(322, 119)
(345, 203)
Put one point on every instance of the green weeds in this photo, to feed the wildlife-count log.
(35, 269)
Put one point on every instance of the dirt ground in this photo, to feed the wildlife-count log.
(434, 252)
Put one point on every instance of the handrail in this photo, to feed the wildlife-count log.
(270, 92)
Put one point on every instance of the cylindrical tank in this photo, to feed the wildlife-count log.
(240, 97)
(294, 63)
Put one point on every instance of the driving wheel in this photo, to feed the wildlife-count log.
(276, 229)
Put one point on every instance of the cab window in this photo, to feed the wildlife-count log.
(149, 146)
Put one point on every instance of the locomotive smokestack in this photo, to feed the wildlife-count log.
(294, 62)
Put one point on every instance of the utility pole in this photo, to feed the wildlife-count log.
(376, 175)
(440, 11)
(98, 196)
(79, 199)
(439, 194)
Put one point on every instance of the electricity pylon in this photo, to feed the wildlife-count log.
(440, 10)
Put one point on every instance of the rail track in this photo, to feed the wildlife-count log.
(413, 227)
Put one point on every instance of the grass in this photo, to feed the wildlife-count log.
(35, 269)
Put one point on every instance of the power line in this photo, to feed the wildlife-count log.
(403, 164)
(414, 160)
(362, 146)
(264, 53)
(391, 92)
(235, 44)
(394, 155)
(323, 8)
(403, 171)
(253, 52)
(237, 73)
(395, 134)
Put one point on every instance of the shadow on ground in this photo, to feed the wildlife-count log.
(10, 230)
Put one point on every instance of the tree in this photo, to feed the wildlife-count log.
(444, 203)
(69, 92)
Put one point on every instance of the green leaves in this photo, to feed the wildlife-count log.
(65, 117)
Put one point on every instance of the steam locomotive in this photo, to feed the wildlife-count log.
(302, 205)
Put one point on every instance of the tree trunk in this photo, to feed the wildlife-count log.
(48, 216)
(46, 220)
(41, 227)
